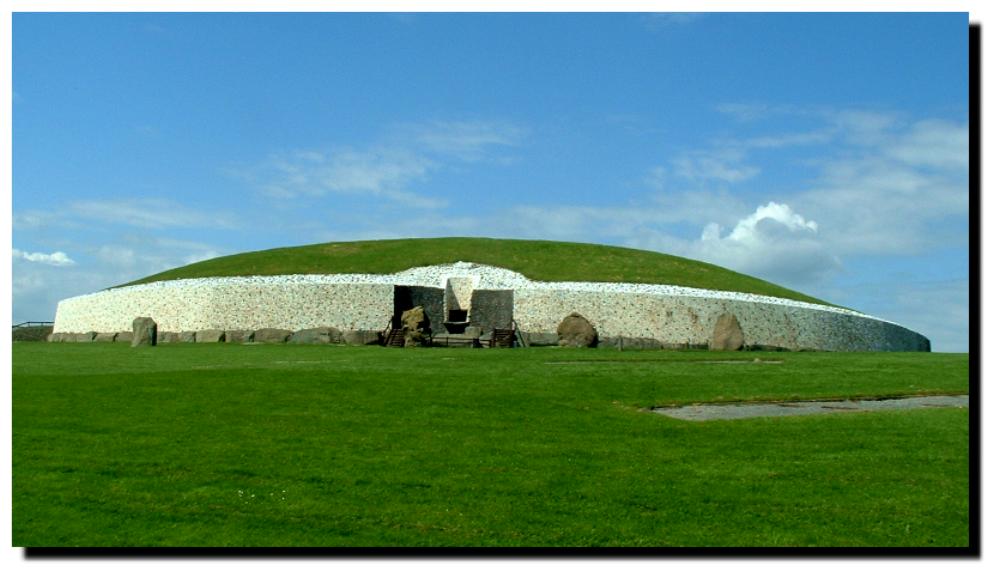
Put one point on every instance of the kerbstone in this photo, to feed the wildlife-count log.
(210, 336)
(361, 337)
(316, 336)
(168, 337)
(271, 335)
(234, 336)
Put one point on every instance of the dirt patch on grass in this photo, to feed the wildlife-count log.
(711, 412)
(756, 361)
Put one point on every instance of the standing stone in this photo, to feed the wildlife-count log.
(143, 332)
(187, 337)
(727, 335)
(576, 331)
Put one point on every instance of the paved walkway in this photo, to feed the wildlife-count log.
(713, 412)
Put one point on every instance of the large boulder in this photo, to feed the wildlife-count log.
(209, 336)
(124, 337)
(415, 327)
(143, 332)
(105, 337)
(271, 335)
(576, 331)
(727, 335)
(188, 336)
(316, 336)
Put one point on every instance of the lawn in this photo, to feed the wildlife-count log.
(283, 445)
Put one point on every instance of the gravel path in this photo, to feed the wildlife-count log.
(713, 412)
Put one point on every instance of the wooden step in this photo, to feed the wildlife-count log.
(395, 338)
(502, 338)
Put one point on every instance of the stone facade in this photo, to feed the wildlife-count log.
(673, 317)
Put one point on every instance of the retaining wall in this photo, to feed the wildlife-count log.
(181, 306)
(669, 316)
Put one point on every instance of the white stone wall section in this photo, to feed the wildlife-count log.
(669, 314)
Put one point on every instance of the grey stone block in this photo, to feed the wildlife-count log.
(169, 337)
(361, 337)
(271, 335)
(209, 336)
(316, 336)
(541, 339)
(630, 343)
(236, 336)
(73, 337)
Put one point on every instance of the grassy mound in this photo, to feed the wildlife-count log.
(537, 260)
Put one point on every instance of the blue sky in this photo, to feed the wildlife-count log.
(824, 152)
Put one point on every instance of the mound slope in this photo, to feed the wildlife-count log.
(536, 259)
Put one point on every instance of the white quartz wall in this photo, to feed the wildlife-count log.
(690, 320)
(669, 314)
(189, 306)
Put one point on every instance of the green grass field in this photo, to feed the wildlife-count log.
(538, 260)
(282, 445)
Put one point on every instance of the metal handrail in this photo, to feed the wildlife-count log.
(34, 324)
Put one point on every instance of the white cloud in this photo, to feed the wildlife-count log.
(31, 219)
(748, 227)
(790, 139)
(897, 196)
(725, 165)
(57, 258)
(773, 242)
(469, 141)
(390, 170)
(37, 288)
(744, 112)
(933, 144)
(116, 256)
(664, 20)
(380, 173)
(146, 213)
